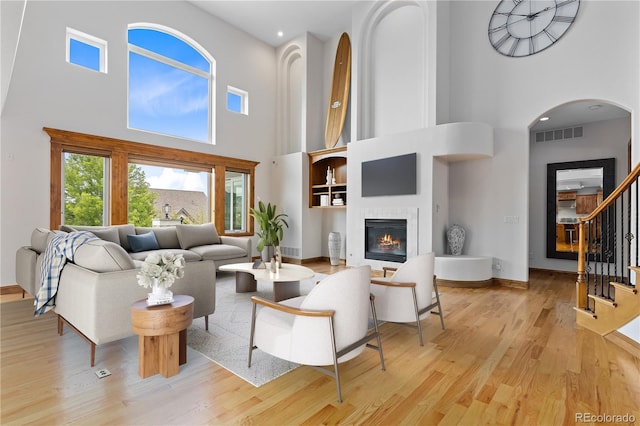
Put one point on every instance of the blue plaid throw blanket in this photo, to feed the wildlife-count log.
(61, 247)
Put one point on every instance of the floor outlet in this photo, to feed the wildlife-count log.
(103, 372)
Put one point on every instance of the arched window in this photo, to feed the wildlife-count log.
(171, 84)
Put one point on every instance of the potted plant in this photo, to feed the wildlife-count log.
(271, 229)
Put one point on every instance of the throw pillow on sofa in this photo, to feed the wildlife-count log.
(197, 235)
(166, 236)
(143, 242)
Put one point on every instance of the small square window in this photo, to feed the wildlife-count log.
(86, 51)
(237, 100)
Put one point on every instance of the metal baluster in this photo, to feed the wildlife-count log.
(587, 271)
(635, 184)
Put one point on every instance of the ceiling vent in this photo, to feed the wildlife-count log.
(555, 135)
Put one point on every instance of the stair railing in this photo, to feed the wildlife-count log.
(608, 245)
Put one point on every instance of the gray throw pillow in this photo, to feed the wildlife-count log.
(143, 242)
(197, 235)
(107, 234)
(40, 239)
(103, 256)
(166, 236)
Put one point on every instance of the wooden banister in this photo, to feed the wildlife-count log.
(626, 183)
(605, 255)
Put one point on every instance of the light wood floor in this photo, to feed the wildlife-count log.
(508, 356)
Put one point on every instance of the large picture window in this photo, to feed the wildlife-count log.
(103, 181)
(171, 84)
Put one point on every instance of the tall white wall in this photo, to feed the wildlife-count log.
(11, 22)
(602, 139)
(596, 59)
(440, 205)
(47, 91)
(398, 57)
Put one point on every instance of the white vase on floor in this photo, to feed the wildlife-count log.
(335, 244)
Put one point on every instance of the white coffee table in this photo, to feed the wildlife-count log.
(286, 282)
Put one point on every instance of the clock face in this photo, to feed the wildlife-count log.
(525, 27)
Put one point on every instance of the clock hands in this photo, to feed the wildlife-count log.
(534, 15)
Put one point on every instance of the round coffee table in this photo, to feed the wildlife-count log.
(162, 335)
(286, 283)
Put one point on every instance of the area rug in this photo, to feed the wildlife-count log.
(227, 341)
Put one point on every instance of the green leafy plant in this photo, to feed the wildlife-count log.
(271, 225)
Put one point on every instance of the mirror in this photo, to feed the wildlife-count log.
(574, 190)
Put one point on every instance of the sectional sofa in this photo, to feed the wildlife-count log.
(97, 288)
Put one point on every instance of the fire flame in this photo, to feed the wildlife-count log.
(387, 241)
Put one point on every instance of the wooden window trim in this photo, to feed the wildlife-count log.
(122, 152)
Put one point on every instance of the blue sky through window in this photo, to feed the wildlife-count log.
(84, 54)
(169, 46)
(163, 98)
(234, 102)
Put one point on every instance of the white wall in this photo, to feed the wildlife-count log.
(596, 59)
(440, 205)
(397, 72)
(11, 21)
(47, 91)
(603, 139)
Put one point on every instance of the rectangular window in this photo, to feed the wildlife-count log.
(164, 196)
(235, 200)
(86, 51)
(86, 183)
(237, 100)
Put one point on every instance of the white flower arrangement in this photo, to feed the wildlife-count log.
(166, 267)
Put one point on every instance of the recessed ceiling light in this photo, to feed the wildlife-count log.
(544, 118)
(595, 107)
(280, 33)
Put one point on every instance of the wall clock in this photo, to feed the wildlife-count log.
(524, 27)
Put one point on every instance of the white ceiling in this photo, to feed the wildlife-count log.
(263, 19)
(327, 18)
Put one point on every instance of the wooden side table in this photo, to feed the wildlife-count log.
(162, 335)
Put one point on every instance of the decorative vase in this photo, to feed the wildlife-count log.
(278, 256)
(455, 238)
(156, 289)
(267, 253)
(335, 243)
(159, 295)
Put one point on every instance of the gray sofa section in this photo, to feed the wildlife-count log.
(96, 289)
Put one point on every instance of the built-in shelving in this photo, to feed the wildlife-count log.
(334, 159)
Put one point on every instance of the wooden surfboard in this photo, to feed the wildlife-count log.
(339, 97)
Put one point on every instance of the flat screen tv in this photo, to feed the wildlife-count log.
(390, 176)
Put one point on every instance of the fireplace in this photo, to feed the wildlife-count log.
(386, 239)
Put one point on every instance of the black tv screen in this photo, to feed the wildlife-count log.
(390, 176)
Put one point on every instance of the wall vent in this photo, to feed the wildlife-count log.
(290, 252)
(559, 134)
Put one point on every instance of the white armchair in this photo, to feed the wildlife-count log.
(328, 326)
(408, 295)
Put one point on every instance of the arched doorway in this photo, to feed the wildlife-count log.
(576, 131)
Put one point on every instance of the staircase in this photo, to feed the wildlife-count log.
(609, 247)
